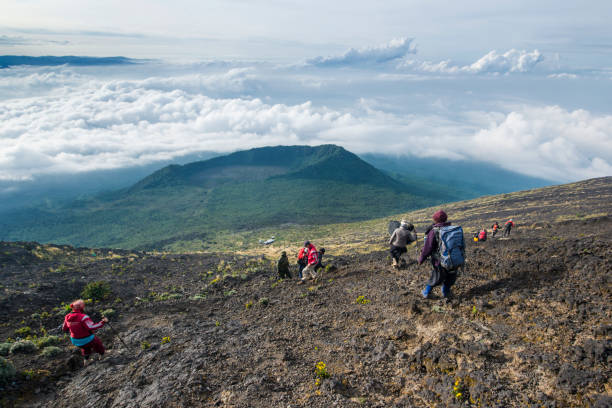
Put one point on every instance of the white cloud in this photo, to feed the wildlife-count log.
(549, 142)
(511, 61)
(79, 122)
(393, 50)
(562, 75)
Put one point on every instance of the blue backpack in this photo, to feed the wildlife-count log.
(451, 247)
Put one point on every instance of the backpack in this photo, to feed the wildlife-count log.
(393, 225)
(451, 247)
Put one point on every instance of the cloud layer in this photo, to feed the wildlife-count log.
(81, 122)
(512, 61)
(393, 50)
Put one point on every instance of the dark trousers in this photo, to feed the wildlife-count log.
(396, 252)
(440, 276)
(507, 231)
(93, 346)
(300, 269)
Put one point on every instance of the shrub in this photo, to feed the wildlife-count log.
(321, 372)
(199, 296)
(108, 313)
(47, 341)
(248, 304)
(7, 371)
(165, 340)
(51, 351)
(362, 300)
(5, 348)
(23, 346)
(264, 301)
(145, 345)
(96, 290)
(23, 331)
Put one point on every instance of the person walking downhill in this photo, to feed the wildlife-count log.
(313, 260)
(82, 329)
(282, 266)
(302, 259)
(494, 227)
(401, 237)
(482, 235)
(320, 263)
(507, 227)
(445, 245)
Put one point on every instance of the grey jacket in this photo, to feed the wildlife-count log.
(401, 237)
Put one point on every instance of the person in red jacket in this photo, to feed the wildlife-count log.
(482, 235)
(507, 227)
(302, 260)
(313, 261)
(81, 329)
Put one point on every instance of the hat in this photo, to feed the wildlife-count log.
(439, 216)
(306, 243)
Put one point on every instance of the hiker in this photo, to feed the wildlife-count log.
(494, 227)
(402, 236)
(313, 260)
(81, 329)
(282, 266)
(482, 236)
(476, 234)
(320, 264)
(445, 245)
(507, 227)
(302, 260)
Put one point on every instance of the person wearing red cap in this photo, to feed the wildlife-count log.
(82, 329)
(439, 275)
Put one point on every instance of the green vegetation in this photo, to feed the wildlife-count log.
(321, 372)
(362, 300)
(47, 341)
(243, 191)
(165, 340)
(5, 349)
(7, 371)
(51, 351)
(23, 347)
(96, 290)
(23, 331)
(144, 345)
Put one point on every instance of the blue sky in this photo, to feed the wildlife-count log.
(524, 85)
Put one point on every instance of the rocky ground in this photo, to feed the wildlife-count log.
(530, 326)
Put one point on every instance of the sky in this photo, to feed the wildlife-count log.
(524, 85)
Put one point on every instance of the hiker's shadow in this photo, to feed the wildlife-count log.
(515, 282)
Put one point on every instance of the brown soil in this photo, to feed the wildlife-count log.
(530, 326)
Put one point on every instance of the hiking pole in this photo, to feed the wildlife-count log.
(117, 335)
